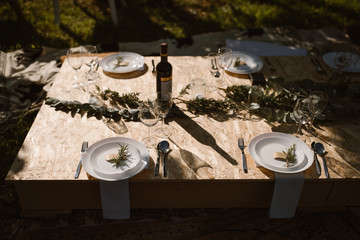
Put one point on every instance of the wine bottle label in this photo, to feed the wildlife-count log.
(166, 86)
(165, 79)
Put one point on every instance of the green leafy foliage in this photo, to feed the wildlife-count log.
(130, 100)
(290, 155)
(121, 157)
(278, 100)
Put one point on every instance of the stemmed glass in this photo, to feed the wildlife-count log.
(214, 70)
(91, 56)
(163, 106)
(93, 86)
(301, 112)
(75, 59)
(317, 104)
(149, 117)
(225, 59)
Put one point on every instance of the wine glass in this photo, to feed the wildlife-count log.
(149, 117)
(255, 97)
(93, 87)
(214, 70)
(301, 112)
(75, 60)
(163, 105)
(225, 59)
(317, 104)
(254, 102)
(91, 57)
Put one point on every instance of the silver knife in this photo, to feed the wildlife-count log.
(84, 146)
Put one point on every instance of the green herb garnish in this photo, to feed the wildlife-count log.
(290, 155)
(238, 62)
(120, 62)
(120, 159)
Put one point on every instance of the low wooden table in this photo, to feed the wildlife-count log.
(43, 171)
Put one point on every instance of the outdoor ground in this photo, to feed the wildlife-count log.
(142, 23)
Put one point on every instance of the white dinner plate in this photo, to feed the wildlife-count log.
(262, 148)
(135, 62)
(94, 162)
(329, 59)
(253, 63)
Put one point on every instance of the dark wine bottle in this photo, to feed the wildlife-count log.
(164, 72)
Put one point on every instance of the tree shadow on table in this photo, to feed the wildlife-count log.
(198, 133)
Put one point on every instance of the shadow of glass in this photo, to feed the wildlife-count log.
(197, 132)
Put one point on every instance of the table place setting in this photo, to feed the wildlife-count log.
(113, 161)
(122, 62)
(269, 150)
(343, 61)
(123, 65)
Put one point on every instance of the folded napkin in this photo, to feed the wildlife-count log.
(287, 191)
(115, 200)
(264, 49)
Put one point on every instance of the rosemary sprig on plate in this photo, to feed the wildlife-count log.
(290, 155)
(121, 158)
(238, 62)
(120, 62)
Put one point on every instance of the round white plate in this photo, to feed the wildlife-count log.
(329, 59)
(135, 61)
(262, 148)
(106, 169)
(253, 63)
(94, 162)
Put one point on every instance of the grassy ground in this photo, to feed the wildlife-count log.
(31, 23)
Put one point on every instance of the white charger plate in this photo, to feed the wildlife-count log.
(94, 162)
(253, 63)
(262, 148)
(135, 61)
(329, 59)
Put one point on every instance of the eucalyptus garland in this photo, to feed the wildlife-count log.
(278, 100)
(93, 110)
(276, 103)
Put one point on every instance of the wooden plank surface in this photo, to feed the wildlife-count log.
(51, 150)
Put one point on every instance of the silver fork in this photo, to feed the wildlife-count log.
(84, 146)
(242, 147)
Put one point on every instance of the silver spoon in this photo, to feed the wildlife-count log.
(156, 173)
(164, 148)
(320, 149)
(318, 169)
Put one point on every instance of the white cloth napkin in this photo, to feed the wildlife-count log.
(287, 191)
(115, 200)
(264, 49)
